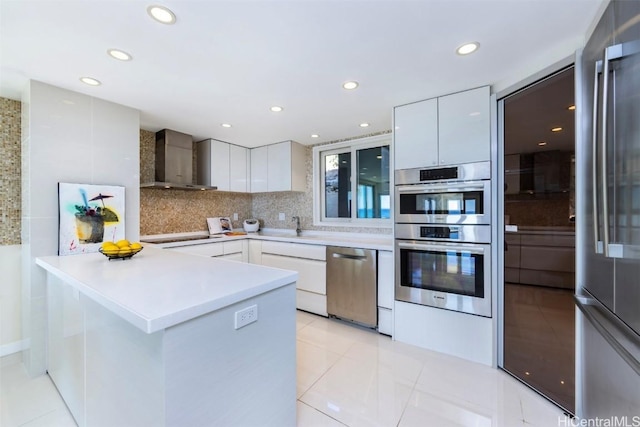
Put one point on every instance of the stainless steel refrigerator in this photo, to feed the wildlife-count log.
(608, 219)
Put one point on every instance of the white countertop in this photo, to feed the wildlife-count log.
(157, 289)
(352, 240)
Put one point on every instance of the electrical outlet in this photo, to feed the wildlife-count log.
(246, 316)
(281, 216)
(235, 216)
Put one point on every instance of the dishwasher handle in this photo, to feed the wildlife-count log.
(347, 256)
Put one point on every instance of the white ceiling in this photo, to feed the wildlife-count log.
(230, 61)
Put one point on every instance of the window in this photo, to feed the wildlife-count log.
(351, 183)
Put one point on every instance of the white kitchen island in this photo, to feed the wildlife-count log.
(153, 340)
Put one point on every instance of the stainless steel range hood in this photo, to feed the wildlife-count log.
(174, 162)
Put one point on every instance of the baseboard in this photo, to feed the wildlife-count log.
(12, 347)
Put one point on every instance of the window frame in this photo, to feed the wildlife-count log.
(352, 146)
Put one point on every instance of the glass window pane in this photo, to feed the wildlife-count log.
(373, 200)
(337, 185)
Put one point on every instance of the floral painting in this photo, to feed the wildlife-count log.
(89, 215)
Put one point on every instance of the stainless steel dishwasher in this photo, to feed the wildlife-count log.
(351, 285)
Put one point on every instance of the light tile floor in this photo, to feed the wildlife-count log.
(346, 376)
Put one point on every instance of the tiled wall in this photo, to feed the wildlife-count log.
(267, 206)
(9, 172)
(67, 137)
(10, 212)
(163, 211)
(174, 211)
(178, 211)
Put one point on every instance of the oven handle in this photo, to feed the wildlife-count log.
(442, 247)
(440, 188)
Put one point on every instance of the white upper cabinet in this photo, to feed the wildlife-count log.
(278, 167)
(259, 174)
(416, 134)
(464, 127)
(222, 165)
(448, 130)
(239, 162)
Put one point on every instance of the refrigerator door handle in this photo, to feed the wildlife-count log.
(627, 347)
(619, 51)
(604, 158)
(596, 212)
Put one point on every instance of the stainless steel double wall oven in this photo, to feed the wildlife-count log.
(443, 237)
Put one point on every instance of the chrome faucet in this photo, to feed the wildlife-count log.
(297, 220)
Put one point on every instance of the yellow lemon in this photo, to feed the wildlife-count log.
(136, 246)
(124, 251)
(113, 250)
(107, 244)
(122, 243)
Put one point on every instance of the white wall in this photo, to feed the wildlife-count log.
(67, 137)
(10, 297)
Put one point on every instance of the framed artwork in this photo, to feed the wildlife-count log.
(89, 215)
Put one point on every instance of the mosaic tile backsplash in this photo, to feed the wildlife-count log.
(175, 211)
(10, 186)
(163, 211)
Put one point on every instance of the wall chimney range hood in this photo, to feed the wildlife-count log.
(174, 162)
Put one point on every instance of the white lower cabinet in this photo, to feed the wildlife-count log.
(310, 263)
(235, 250)
(255, 252)
(385, 292)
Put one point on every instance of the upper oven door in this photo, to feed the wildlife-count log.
(444, 203)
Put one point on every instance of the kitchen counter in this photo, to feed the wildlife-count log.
(158, 289)
(359, 240)
(170, 339)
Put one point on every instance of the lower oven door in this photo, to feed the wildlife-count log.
(445, 275)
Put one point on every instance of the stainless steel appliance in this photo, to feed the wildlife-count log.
(452, 195)
(608, 218)
(351, 285)
(443, 237)
(444, 266)
(174, 162)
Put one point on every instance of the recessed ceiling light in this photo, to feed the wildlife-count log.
(350, 85)
(276, 109)
(475, 113)
(571, 107)
(161, 14)
(90, 81)
(378, 157)
(119, 54)
(542, 144)
(364, 125)
(315, 135)
(556, 129)
(225, 125)
(468, 48)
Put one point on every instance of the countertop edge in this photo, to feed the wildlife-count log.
(161, 322)
(364, 242)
